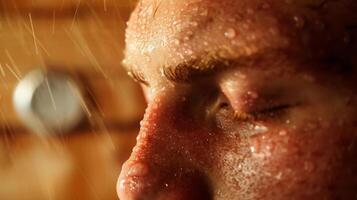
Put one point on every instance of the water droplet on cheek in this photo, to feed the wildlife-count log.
(309, 166)
(260, 129)
(299, 21)
(283, 133)
(347, 39)
(230, 33)
(252, 149)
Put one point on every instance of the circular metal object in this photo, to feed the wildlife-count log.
(48, 102)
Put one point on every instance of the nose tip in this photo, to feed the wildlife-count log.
(135, 182)
(138, 182)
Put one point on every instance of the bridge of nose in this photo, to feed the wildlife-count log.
(168, 154)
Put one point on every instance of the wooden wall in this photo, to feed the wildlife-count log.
(84, 39)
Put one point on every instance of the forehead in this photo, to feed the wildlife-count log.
(168, 32)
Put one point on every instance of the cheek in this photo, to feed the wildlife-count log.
(311, 158)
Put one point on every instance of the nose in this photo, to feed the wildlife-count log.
(163, 164)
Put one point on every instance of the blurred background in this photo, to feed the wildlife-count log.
(69, 113)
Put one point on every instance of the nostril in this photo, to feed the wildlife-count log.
(188, 186)
(137, 181)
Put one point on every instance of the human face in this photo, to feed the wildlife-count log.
(247, 99)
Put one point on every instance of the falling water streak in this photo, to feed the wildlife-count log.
(33, 34)
(91, 187)
(105, 5)
(6, 125)
(53, 22)
(49, 192)
(51, 94)
(95, 15)
(81, 99)
(89, 53)
(75, 42)
(104, 129)
(37, 40)
(3, 75)
(118, 15)
(2, 71)
(12, 61)
(75, 14)
(95, 101)
(12, 72)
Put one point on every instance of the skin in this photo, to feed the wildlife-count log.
(276, 120)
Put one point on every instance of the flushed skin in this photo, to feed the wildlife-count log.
(276, 120)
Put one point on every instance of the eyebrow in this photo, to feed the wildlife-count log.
(196, 68)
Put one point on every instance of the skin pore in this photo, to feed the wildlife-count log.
(247, 99)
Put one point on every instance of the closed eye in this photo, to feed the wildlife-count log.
(272, 112)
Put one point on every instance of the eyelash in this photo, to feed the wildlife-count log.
(271, 112)
(138, 78)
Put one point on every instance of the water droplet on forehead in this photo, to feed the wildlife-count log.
(177, 42)
(230, 33)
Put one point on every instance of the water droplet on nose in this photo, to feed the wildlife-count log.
(230, 33)
(138, 169)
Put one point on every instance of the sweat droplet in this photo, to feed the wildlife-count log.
(177, 42)
(299, 21)
(230, 33)
(260, 128)
(138, 169)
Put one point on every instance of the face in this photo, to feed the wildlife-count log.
(247, 99)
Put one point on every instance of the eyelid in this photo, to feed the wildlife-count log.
(262, 113)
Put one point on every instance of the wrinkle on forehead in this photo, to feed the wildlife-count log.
(168, 32)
